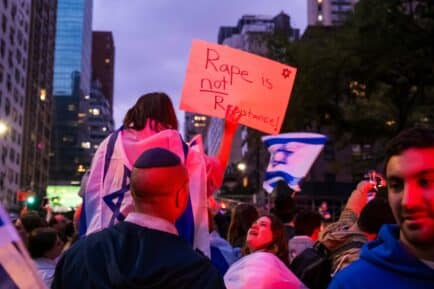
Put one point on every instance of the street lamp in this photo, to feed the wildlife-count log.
(241, 167)
(3, 128)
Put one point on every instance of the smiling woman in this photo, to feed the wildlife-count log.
(268, 234)
(265, 260)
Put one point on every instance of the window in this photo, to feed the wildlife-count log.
(13, 11)
(7, 107)
(86, 144)
(12, 35)
(11, 154)
(2, 48)
(4, 24)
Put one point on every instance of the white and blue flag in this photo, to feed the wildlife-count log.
(291, 156)
(107, 198)
(17, 270)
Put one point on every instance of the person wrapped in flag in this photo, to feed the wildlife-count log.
(291, 156)
(152, 122)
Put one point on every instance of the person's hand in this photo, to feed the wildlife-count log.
(232, 117)
(359, 197)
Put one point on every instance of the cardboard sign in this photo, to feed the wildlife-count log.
(218, 76)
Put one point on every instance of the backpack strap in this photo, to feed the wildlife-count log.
(341, 249)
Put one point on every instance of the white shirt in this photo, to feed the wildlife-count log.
(46, 268)
(151, 222)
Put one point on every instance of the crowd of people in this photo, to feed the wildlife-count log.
(155, 237)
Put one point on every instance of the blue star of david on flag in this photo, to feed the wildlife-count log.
(292, 155)
(114, 200)
(280, 156)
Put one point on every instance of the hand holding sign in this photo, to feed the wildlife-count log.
(219, 76)
(232, 118)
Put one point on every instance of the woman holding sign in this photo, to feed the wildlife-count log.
(152, 122)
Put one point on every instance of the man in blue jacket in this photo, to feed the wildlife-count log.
(403, 254)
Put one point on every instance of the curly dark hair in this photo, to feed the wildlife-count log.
(155, 107)
(279, 245)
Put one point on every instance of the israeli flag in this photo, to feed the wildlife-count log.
(291, 156)
(17, 269)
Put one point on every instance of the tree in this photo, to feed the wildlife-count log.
(366, 80)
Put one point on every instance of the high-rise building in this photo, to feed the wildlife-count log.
(70, 154)
(100, 117)
(103, 62)
(328, 12)
(38, 102)
(14, 43)
(194, 124)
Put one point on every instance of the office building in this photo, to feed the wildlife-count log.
(329, 12)
(70, 156)
(103, 62)
(39, 100)
(14, 45)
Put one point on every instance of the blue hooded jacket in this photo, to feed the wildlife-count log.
(385, 263)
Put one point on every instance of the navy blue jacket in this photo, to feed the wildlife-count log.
(130, 256)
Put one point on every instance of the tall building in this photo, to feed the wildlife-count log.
(100, 105)
(39, 100)
(100, 118)
(103, 62)
(328, 12)
(194, 124)
(14, 43)
(70, 155)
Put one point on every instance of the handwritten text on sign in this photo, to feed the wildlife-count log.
(218, 76)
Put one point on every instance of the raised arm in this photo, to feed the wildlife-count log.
(232, 118)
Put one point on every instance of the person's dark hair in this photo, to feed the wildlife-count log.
(376, 213)
(284, 205)
(306, 222)
(416, 137)
(41, 240)
(156, 108)
(279, 245)
(31, 221)
(242, 218)
(222, 220)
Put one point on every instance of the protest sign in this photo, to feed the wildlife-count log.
(218, 76)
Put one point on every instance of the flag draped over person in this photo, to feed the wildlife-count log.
(291, 156)
(107, 198)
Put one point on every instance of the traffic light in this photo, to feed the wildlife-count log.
(32, 202)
